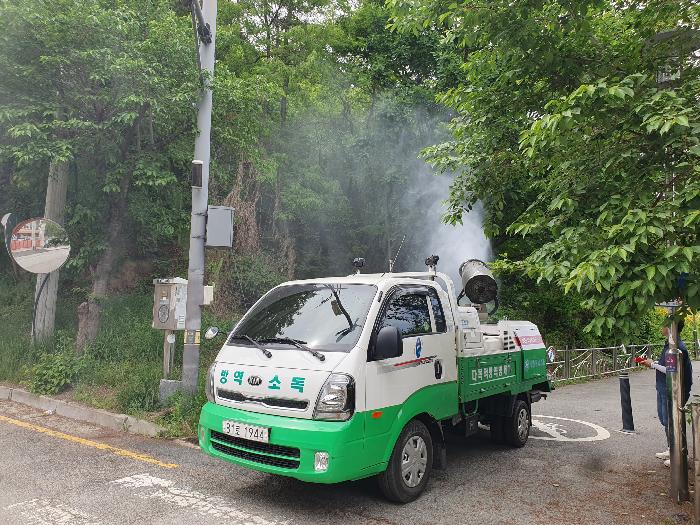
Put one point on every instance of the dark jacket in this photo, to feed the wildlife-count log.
(687, 369)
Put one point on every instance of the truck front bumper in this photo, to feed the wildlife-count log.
(293, 444)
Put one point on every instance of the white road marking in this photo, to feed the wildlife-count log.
(150, 487)
(555, 432)
(47, 512)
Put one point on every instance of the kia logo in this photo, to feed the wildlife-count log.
(254, 381)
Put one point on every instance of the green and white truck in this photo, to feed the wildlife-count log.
(337, 379)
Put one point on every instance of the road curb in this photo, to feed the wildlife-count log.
(120, 422)
(5, 393)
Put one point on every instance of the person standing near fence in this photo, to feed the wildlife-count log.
(661, 390)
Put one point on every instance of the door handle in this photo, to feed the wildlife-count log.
(438, 369)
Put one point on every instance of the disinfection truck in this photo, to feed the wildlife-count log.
(337, 379)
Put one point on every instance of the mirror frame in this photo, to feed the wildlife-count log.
(13, 252)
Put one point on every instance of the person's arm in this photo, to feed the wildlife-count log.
(655, 366)
(660, 368)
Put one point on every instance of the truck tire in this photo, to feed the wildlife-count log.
(410, 464)
(516, 428)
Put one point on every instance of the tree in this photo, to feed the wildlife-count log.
(619, 196)
(561, 131)
(110, 93)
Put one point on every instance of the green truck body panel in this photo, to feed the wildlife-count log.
(502, 373)
(344, 442)
(358, 448)
(438, 401)
(493, 366)
(535, 364)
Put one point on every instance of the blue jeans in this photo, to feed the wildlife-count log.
(662, 409)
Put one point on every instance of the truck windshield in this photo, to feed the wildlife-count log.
(324, 316)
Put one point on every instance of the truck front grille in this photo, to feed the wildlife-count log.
(256, 451)
(271, 402)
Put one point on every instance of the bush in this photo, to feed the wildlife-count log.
(53, 373)
(140, 393)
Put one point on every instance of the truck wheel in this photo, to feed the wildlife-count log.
(516, 428)
(410, 464)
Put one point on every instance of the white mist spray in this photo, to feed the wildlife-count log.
(454, 244)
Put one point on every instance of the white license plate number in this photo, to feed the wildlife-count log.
(251, 432)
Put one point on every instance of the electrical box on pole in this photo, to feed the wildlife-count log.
(169, 301)
(220, 227)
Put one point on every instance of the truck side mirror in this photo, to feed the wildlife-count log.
(388, 344)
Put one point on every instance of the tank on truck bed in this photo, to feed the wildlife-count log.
(509, 356)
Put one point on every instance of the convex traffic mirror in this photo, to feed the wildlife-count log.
(39, 245)
(211, 332)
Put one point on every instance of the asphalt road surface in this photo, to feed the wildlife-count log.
(576, 469)
(42, 260)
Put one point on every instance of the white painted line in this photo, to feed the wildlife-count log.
(47, 512)
(150, 487)
(555, 431)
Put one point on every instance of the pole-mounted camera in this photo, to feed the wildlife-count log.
(431, 262)
(358, 262)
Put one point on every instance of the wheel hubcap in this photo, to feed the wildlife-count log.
(523, 424)
(414, 460)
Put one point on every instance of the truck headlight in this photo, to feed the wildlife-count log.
(336, 402)
(209, 383)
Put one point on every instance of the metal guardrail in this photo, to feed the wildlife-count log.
(589, 363)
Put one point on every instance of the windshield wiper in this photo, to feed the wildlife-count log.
(257, 344)
(342, 333)
(295, 342)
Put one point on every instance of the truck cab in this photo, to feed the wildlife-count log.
(337, 379)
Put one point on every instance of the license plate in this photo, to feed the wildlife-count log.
(241, 430)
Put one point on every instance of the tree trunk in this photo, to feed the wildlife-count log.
(90, 311)
(45, 313)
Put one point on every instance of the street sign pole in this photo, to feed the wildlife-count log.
(200, 197)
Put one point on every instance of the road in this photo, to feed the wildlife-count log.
(43, 260)
(58, 471)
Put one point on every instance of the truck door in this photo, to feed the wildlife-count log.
(428, 363)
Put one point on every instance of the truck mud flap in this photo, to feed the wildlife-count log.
(471, 425)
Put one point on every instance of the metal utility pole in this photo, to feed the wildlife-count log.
(206, 16)
(676, 415)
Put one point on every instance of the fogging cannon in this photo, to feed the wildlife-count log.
(478, 283)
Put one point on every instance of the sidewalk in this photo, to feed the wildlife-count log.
(616, 478)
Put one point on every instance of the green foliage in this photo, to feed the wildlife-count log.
(53, 373)
(111, 93)
(252, 275)
(183, 413)
(632, 241)
(140, 393)
(558, 129)
(564, 132)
